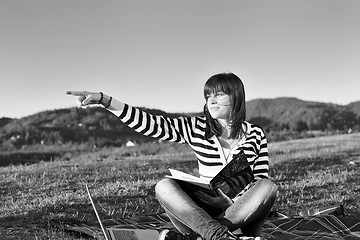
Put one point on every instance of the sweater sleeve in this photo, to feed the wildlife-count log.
(156, 126)
(261, 163)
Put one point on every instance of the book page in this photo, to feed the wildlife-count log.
(181, 175)
(178, 175)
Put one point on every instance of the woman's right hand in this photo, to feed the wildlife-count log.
(86, 98)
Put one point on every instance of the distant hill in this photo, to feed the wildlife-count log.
(96, 126)
(355, 107)
(4, 121)
(296, 114)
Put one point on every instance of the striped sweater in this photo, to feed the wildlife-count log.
(191, 131)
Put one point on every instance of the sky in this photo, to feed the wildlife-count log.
(159, 53)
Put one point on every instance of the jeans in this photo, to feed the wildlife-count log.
(248, 212)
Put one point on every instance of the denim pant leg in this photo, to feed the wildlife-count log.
(250, 210)
(187, 213)
(177, 224)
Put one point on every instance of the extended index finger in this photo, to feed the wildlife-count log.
(76, 93)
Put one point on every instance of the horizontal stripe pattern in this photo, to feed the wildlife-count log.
(191, 130)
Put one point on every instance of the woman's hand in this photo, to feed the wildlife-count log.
(86, 98)
(222, 201)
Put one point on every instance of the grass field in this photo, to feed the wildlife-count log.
(310, 173)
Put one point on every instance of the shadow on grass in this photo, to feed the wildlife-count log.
(51, 220)
(37, 224)
(142, 202)
(26, 158)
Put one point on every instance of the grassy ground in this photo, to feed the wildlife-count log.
(310, 173)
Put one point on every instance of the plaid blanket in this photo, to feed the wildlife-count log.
(324, 224)
(315, 227)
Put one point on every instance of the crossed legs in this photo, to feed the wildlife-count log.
(248, 212)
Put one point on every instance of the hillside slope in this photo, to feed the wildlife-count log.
(96, 126)
(295, 114)
(355, 107)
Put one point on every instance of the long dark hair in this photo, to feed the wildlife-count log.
(231, 85)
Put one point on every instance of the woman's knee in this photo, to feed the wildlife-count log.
(164, 186)
(268, 187)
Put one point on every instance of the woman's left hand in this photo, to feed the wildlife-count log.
(222, 201)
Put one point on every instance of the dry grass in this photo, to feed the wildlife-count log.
(310, 173)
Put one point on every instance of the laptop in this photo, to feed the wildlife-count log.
(114, 233)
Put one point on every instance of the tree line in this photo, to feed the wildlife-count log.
(281, 118)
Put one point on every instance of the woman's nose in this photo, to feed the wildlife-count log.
(212, 100)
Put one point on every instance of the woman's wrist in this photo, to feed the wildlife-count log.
(106, 100)
(110, 103)
(101, 97)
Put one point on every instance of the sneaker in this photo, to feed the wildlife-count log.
(173, 235)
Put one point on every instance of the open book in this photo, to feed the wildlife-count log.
(236, 167)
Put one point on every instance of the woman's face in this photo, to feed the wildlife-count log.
(218, 104)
